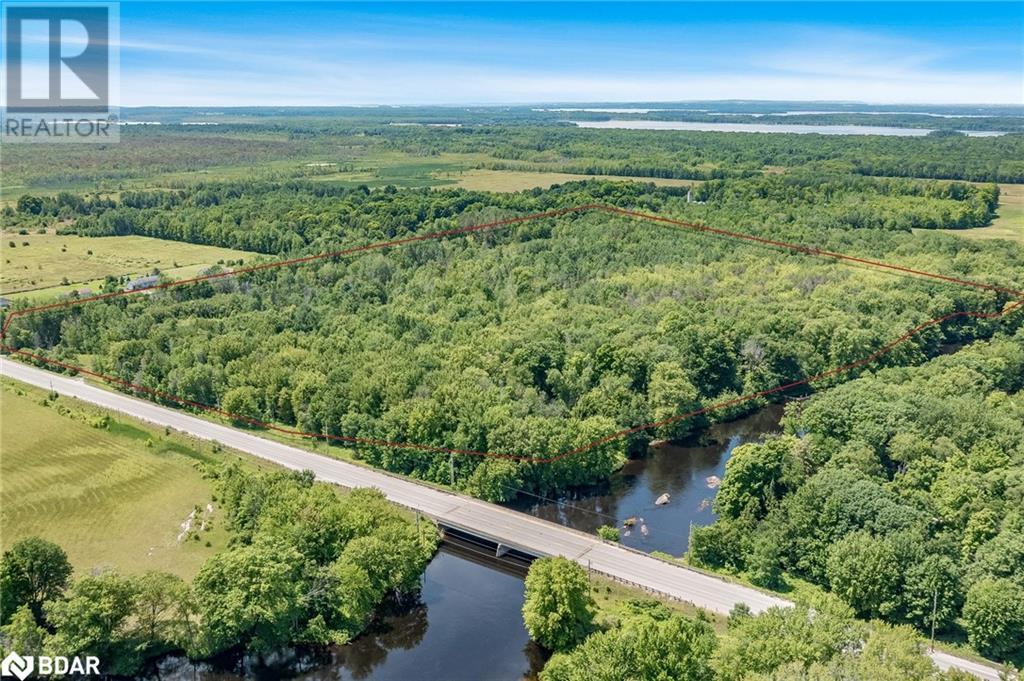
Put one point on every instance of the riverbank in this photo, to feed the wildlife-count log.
(688, 472)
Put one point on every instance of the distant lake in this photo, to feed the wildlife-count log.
(767, 127)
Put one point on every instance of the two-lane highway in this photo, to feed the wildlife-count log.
(509, 527)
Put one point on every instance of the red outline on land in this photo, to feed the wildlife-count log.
(496, 225)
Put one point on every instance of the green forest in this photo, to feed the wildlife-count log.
(297, 216)
(643, 639)
(527, 341)
(292, 147)
(711, 155)
(901, 492)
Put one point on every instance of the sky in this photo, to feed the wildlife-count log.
(321, 53)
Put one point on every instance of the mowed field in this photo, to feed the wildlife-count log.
(1009, 222)
(113, 496)
(37, 263)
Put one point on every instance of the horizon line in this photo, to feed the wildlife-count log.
(593, 102)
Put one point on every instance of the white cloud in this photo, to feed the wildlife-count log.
(381, 67)
(339, 86)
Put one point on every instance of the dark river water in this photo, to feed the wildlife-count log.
(684, 472)
(467, 624)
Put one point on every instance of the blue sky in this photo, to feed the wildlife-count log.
(320, 53)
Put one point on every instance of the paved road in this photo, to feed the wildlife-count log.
(512, 528)
(946, 661)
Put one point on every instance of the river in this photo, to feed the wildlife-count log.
(466, 626)
(769, 127)
(683, 471)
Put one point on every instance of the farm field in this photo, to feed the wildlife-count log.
(346, 167)
(40, 263)
(517, 180)
(111, 497)
(450, 169)
(49, 293)
(1009, 221)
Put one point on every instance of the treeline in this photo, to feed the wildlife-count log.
(286, 217)
(901, 492)
(530, 341)
(716, 155)
(154, 153)
(851, 202)
(644, 639)
(145, 151)
(295, 216)
(304, 565)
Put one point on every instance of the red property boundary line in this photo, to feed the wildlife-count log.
(1018, 304)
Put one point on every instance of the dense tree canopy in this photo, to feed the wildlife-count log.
(528, 341)
(897, 486)
(653, 643)
(911, 503)
(817, 640)
(32, 571)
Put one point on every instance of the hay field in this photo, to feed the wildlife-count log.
(111, 497)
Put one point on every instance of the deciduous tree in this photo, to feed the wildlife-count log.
(558, 610)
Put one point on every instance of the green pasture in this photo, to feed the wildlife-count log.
(111, 492)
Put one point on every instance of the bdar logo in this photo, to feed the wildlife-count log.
(16, 665)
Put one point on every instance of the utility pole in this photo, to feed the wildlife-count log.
(935, 608)
(451, 468)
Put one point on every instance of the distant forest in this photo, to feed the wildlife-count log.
(259, 145)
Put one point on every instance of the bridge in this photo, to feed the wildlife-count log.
(504, 528)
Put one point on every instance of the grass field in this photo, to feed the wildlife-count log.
(1009, 222)
(114, 496)
(41, 266)
(518, 180)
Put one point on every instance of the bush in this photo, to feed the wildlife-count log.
(721, 545)
(665, 646)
